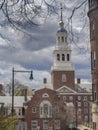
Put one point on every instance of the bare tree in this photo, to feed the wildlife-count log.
(18, 88)
(23, 13)
(20, 12)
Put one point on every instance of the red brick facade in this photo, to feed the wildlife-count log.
(57, 104)
(57, 79)
(47, 96)
(93, 16)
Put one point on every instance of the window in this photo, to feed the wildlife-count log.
(94, 92)
(33, 110)
(34, 125)
(93, 60)
(63, 57)
(45, 95)
(86, 118)
(19, 112)
(19, 127)
(91, 98)
(45, 125)
(58, 57)
(45, 109)
(71, 98)
(63, 78)
(58, 39)
(79, 118)
(64, 97)
(92, 2)
(79, 97)
(79, 111)
(65, 39)
(94, 125)
(85, 111)
(85, 104)
(92, 30)
(68, 58)
(95, 96)
(62, 39)
(79, 104)
(57, 124)
(23, 127)
(85, 98)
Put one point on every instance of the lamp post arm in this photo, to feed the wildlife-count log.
(20, 71)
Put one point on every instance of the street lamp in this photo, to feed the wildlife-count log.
(16, 71)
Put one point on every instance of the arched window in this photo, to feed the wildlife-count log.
(58, 57)
(58, 39)
(63, 57)
(62, 39)
(68, 57)
(63, 78)
(65, 39)
(45, 109)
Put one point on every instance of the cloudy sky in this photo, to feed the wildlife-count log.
(33, 50)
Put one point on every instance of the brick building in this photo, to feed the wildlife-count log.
(93, 18)
(47, 109)
(66, 103)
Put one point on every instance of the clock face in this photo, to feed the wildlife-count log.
(63, 77)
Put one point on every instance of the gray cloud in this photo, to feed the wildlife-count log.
(33, 50)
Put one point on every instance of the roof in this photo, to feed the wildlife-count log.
(65, 89)
(84, 87)
(62, 30)
(18, 100)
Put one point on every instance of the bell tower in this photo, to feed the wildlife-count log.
(93, 18)
(62, 71)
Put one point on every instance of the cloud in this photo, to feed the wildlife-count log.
(34, 48)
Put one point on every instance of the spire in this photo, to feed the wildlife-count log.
(61, 19)
(61, 12)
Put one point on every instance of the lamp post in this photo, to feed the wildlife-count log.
(16, 71)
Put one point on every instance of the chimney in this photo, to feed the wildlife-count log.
(78, 80)
(24, 93)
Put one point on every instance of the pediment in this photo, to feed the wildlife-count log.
(65, 89)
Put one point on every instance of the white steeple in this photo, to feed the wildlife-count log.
(62, 52)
